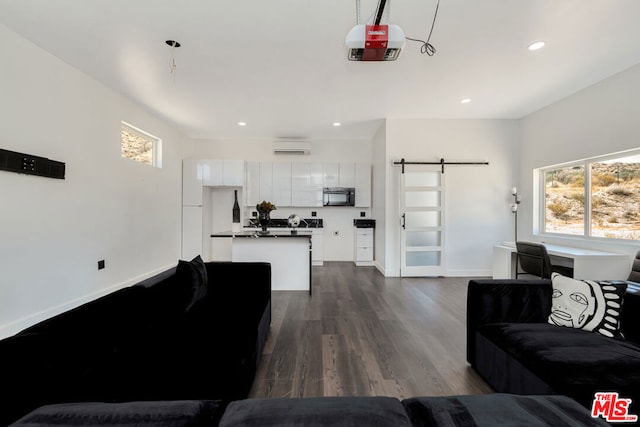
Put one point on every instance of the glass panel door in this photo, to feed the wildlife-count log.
(421, 209)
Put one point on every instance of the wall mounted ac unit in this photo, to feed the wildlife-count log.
(291, 147)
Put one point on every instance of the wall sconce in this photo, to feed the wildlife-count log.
(514, 208)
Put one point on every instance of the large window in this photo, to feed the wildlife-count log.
(138, 145)
(598, 197)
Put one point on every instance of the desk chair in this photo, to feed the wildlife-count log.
(634, 276)
(532, 258)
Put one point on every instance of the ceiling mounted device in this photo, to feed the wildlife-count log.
(375, 41)
(172, 59)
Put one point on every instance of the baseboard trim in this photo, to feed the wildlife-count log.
(383, 271)
(15, 326)
(469, 273)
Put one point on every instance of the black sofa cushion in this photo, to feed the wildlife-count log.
(587, 304)
(573, 362)
(316, 411)
(498, 410)
(140, 414)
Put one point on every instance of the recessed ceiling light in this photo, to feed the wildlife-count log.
(465, 100)
(336, 124)
(242, 123)
(536, 45)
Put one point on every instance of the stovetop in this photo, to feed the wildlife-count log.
(364, 223)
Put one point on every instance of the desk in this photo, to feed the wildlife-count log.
(586, 263)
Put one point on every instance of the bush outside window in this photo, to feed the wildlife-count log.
(138, 145)
(594, 198)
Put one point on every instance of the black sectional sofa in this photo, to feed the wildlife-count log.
(513, 347)
(377, 411)
(181, 349)
(193, 332)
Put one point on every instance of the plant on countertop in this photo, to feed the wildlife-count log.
(265, 206)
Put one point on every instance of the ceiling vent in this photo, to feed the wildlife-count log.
(292, 147)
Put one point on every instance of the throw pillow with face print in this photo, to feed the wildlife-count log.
(587, 304)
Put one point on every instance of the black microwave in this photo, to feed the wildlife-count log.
(339, 196)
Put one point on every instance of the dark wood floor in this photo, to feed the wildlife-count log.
(364, 334)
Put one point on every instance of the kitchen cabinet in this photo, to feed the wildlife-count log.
(339, 174)
(346, 175)
(191, 183)
(315, 188)
(300, 184)
(233, 173)
(266, 182)
(212, 172)
(317, 246)
(306, 184)
(363, 246)
(252, 184)
(281, 184)
(363, 185)
(192, 237)
(219, 173)
(331, 174)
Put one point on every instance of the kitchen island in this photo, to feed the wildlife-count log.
(289, 254)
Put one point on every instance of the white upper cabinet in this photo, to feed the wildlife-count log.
(316, 184)
(212, 172)
(191, 183)
(252, 187)
(218, 173)
(300, 184)
(281, 184)
(339, 174)
(331, 174)
(306, 184)
(233, 173)
(363, 185)
(346, 175)
(266, 182)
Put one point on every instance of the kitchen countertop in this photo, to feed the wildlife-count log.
(284, 223)
(259, 234)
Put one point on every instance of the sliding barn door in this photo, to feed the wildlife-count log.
(421, 209)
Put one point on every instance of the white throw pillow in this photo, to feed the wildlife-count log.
(587, 304)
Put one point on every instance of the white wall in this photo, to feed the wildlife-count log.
(338, 221)
(53, 232)
(477, 211)
(379, 196)
(601, 119)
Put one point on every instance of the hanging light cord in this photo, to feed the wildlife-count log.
(427, 47)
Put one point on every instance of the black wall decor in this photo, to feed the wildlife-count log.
(31, 165)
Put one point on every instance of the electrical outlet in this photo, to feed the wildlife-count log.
(336, 233)
(362, 213)
(314, 213)
(100, 264)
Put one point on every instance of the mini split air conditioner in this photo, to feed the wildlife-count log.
(291, 147)
(374, 43)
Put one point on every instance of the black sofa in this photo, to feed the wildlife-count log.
(193, 332)
(513, 347)
(377, 411)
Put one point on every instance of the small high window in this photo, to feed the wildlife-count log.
(141, 146)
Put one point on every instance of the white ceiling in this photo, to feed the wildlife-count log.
(281, 67)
